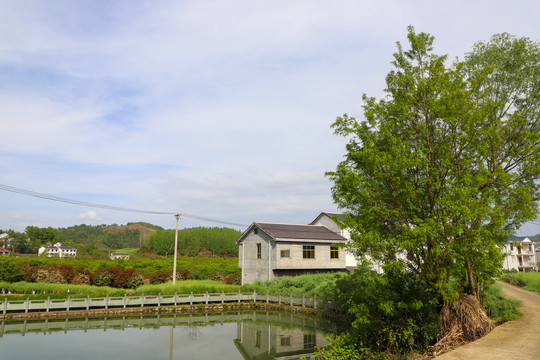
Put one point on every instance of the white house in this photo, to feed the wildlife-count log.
(119, 255)
(58, 250)
(269, 250)
(327, 219)
(520, 255)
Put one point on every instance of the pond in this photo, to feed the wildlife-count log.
(237, 335)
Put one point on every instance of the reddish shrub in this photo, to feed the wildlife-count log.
(160, 277)
(67, 272)
(81, 279)
(235, 279)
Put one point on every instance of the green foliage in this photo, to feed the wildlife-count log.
(315, 284)
(445, 167)
(527, 280)
(50, 276)
(196, 241)
(497, 306)
(10, 272)
(390, 313)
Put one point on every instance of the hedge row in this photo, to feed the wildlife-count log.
(112, 276)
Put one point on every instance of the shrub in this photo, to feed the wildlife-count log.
(160, 277)
(128, 279)
(50, 276)
(135, 281)
(102, 278)
(10, 272)
(215, 276)
(67, 272)
(235, 279)
(388, 313)
(81, 279)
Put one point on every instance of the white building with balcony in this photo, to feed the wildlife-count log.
(520, 255)
(57, 250)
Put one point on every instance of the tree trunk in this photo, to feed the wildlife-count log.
(471, 278)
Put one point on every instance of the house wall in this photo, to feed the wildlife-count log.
(253, 268)
(350, 260)
(322, 258)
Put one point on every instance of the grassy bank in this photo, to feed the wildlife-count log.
(527, 280)
(58, 291)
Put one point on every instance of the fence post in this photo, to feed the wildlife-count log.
(254, 295)
(222, 297)
(5, 306)
(142, 300)
(303, 300)
(206, 298)
(291, 300)
(279, 298)
(191, 298)
(68, 303)
(26, 305)
(239, 296)
(175, 298)
(315, 301)
(87, 302)
(267, 297)
(48, 302)
(125, 300)
(159, 299)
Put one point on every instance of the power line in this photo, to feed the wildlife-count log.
(109, 207)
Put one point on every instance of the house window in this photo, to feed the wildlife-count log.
(285, 253)
(259, 255)
(511, 247)
(308, 252)
(530, 247)
(258, 339)
(334, 252)
(255, 231)
(285, 341)
(309, 341)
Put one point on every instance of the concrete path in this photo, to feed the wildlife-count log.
(518, 339)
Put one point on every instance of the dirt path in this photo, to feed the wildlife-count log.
(518, 339)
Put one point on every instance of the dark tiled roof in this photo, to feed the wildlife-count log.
(120, 254)
(307, 232)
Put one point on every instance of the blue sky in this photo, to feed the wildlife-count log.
(220, 109)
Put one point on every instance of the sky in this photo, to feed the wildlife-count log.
(219, 109)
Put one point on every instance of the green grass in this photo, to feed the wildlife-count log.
(309, 285)
(44, 290)
(527, 280)
(498, 307)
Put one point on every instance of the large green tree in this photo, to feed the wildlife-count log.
(444, 168)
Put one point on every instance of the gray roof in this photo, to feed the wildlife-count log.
(330, 215)
(304, 232)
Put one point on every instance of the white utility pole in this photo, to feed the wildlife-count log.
(177, 216)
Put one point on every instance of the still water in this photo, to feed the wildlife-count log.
(238, 335)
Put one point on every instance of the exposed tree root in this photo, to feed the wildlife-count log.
(460, 323)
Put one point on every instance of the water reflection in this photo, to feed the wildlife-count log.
(238, 335)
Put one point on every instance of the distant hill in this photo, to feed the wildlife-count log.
(534, 238)
(107, 236)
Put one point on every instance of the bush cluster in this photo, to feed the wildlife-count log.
(121, 276)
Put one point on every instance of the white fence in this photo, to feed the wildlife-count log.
(158, 300)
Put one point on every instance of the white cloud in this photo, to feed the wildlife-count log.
(219, 109)
(89, 215)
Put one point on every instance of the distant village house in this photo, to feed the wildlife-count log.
(57, 250)
(119, 255)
